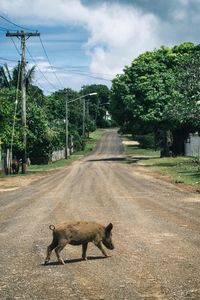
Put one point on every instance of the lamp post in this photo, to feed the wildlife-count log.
(83, 126)
(67, 119)
(66, 128)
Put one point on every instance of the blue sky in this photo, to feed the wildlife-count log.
(91, 41)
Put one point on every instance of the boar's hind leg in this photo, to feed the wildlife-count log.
(50, 248)
(84, 249)
(99, 245)
(59, 248)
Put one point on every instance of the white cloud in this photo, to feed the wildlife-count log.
(117, 32)
(45, 11)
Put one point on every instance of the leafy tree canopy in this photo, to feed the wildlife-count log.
(160, 89)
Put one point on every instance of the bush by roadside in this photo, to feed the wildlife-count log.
(35, 169)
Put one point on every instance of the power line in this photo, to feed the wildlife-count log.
(40, 69)
(91, 76)
(93, 73)
(2, 17)
(42, 88)
(11, 60)
(84, 74)
(15, 110)
(7, 59)
(50, 62)
(15, 45)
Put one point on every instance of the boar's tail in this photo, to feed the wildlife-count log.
(51, 227)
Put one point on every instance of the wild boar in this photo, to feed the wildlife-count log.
(79, 233)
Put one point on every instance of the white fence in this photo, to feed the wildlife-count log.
(57, 155)
(192, 145)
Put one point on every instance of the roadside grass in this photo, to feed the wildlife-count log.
(52, 166)
(180, 169)
(89, 146)
(91, 141)
(137, 150)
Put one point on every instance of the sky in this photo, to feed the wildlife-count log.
(91, 41)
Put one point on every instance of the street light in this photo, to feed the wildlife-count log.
(67, 119)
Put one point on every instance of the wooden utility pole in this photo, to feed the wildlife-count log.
(66, 127)
(83, 126)
(23, 36)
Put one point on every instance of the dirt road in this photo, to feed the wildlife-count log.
(156, 233)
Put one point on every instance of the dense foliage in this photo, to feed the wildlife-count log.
(46, 115)
(159, 94)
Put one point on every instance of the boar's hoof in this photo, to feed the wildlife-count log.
(46, 262)
(62, 261)
(84, 258)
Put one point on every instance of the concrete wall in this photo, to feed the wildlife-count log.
(192, 145)
(57, 155)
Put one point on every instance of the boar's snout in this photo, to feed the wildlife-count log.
(107, 241)
(111, 246)
(108, 244)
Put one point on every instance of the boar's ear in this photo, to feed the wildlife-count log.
(109, 227)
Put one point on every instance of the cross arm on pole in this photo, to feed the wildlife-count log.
(22, 34)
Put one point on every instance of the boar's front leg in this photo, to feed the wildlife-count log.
(84, 249)
(99, 245)
(59, 248)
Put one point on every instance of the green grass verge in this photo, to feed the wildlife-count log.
(180, 169)
(91, 141)
(137, 150)
(52, 166)
(33, 169)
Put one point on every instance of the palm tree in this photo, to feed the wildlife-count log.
(9, 79)
(5, 76)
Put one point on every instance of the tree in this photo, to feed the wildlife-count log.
(5, 76)
(141, 93)
(13, 78)
(118, 106)
(183, 109)
(41, 136)
(7, 109)
(56, 104)
(144, 97)
(37, 123)
(98, 104)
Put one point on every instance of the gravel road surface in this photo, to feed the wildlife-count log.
(156, 233)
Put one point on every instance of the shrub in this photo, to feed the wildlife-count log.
(146, 140)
